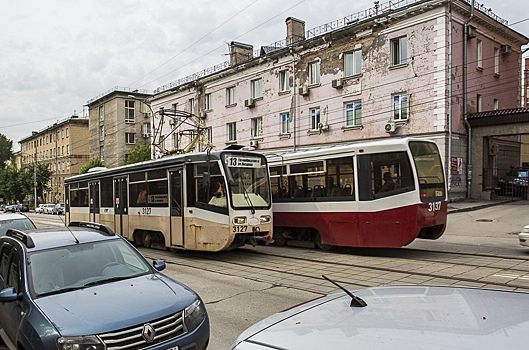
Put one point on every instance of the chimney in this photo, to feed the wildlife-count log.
(295, 30)
(240, 52)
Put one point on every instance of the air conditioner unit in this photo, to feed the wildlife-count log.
(323, 127)
(506, 49)
(390, 127)
(337, 83)
(249, 102)
(304, 90)
(254, 143)
(146, 135)
(471, 32)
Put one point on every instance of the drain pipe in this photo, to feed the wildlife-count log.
(450, 103)
(465, 102)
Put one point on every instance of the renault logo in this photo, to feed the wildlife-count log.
(148, 333)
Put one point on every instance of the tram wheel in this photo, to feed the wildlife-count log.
(320, 244)
(146, 240)
(279, 238)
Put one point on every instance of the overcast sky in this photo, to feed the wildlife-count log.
(55, 55)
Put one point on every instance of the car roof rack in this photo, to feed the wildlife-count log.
(21, 236)
(94, 225)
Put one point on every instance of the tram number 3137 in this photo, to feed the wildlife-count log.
(434, 206)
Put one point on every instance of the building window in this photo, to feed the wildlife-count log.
(146, 129)
(284, 77)
(129, 111)
(314, 73)
(102, 153)
(496, 61)
(101, 133)
(207, 102)
(230, 96)
(129, 138)
(479, 101)
(231, 132)
(479, 54)
(399, 51)
(101, 113)
(314, 118)
(67, 133)
(209, 134)
(257, 127)
(257, 88)
(68, 149)
(496, 104)
(284, 119)
(352, 62)
(400, 107)
(353, 113)
(191, 106)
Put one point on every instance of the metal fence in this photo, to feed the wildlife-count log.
(506, 183)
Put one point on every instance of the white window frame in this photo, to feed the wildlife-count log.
(284, 80)
(401, 106)
(101, 133)
(231, 132)
(352, 63)
(129, 111)
(353, 113)
(496, 61)
(284, 122)
(314, 73)
(496, 104)
(479, 54)
(257, 127)
(479, 103)
(315, 117)
(130, 138)
(191, 105)
(256, 87)
(399, 51)
(207, 102)
(101, 113)
(101, 153)
(230, 96)
(146, 128)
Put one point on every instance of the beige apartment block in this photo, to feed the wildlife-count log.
(64, 147)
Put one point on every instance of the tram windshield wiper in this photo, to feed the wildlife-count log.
(247, 197)
(355, 301)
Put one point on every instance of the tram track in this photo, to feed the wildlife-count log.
(302, 268)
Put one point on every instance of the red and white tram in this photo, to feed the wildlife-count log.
(364, 194)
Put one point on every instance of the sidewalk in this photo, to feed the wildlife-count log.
(474, 204)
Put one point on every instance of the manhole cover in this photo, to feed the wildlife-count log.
(484, 220)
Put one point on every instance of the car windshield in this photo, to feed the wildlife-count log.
(80, 266)
(22, 224)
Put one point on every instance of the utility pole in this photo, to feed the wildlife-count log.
(35, 178)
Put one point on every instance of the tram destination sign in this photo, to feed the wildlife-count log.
(243, 162)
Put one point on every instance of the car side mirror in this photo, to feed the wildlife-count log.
(8, 295)
(159, 265)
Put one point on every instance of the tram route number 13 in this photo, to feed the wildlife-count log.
(434, 206)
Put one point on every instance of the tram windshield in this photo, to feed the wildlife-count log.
(429, 170)
(248, 180)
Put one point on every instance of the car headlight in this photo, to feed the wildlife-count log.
(194, 314)
(87, 342)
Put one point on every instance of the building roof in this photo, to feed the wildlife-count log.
(502, 116)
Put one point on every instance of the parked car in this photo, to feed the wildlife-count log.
(514, 183)
(58, 209)
(523, 236)
(398, 317)
(39, 209)
(84, 287)
(10, 208)
(48, 208)
(17, 221)
(23, 208)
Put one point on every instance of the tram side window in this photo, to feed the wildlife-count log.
(204, 194)
(79, 195)
(384, 174)
(107, 193)
(279, 190)
(151, 194)
(340, 177)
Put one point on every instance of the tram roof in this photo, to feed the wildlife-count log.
(155, 164)
(355, 147)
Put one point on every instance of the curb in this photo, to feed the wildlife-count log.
(477, 207)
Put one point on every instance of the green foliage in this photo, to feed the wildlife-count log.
(140, 153)
(6, 150)
(92, 163)
(16, 185)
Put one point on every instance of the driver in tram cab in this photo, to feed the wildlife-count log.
(389, 184)
(219, 197)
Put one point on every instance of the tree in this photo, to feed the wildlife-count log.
(140, 153)
(92, 163)
(6, 150)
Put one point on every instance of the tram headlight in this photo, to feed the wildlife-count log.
(265, 219)
(239, 220)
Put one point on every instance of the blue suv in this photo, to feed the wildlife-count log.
(84, 287)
